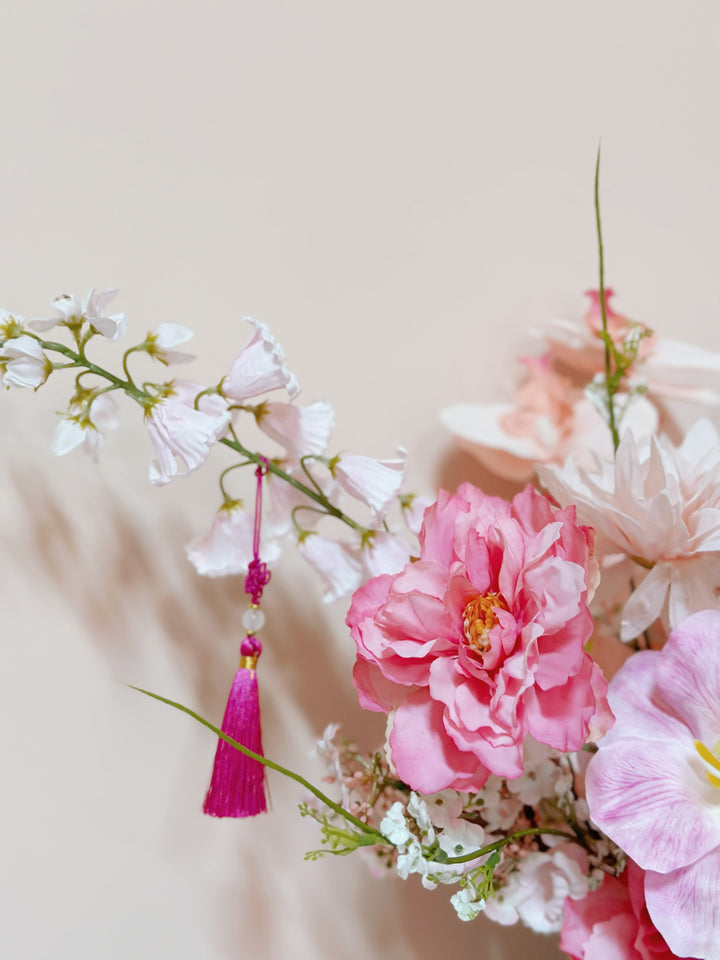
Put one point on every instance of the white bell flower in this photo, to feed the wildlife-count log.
(182, 437)
(161, 343)
(83, 427)
(337, 563)
(301, 431)
(259, 368)
(228, 547)
(23, 363)
(375, 482)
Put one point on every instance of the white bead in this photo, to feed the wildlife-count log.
(253, 619)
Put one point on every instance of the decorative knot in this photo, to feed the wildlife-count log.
(258, 577)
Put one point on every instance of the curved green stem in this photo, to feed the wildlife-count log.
(221, 479)
(603, 311)
(125, 363)
(303, 488)
(127, 385)
(499, 844)
(341, 811)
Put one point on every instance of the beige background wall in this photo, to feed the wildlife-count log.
(399, 189)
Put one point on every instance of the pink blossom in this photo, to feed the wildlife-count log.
(182, 436)
(612, 922)
(301, 431)
(550, 417)
(654, 785)
(375, 482)
(481, 641)
(338, 564)
(259, 368)
(228, 547)
(670, 369)
(536, 891)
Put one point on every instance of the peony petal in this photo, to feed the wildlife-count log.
(423, 754)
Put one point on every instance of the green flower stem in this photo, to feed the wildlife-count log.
(603, 310)
(341, 811)
(81, 361)
(320, 498)
(499, 844)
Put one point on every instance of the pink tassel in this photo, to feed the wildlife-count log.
(237, 788)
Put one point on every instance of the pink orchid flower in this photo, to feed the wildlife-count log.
(654, 785)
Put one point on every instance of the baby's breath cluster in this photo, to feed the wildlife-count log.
(515, 850)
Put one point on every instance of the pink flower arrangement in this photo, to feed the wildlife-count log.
(654, 785)
(613, 921)
(480, 643)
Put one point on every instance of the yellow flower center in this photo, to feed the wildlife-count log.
(711, 759)
(479, 617)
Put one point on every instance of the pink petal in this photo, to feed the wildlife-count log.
(423, 754)
(685, 907)
(650, 798)
(375, 692)
(688, 674)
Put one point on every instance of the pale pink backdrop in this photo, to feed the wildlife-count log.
(399, 189)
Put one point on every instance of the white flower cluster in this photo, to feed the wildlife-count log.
(427, 832)
(185, 420)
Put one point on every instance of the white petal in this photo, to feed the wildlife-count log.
(646, 603)
(387, 553)
(181, 433)
(302, 431)
(337, 564)
(68, 435)
(110, 327)
(375, 482)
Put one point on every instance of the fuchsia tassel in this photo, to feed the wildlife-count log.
(237, 787)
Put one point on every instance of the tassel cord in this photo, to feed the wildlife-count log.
(341, 811)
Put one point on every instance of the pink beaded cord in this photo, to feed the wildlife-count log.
(237, 787)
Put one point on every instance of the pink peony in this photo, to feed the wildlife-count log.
(654, 785)
(612, 922)
(481, 641)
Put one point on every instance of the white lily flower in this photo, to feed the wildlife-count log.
(259, 368)
(23, 363)
(301, 431)
(375, 482)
